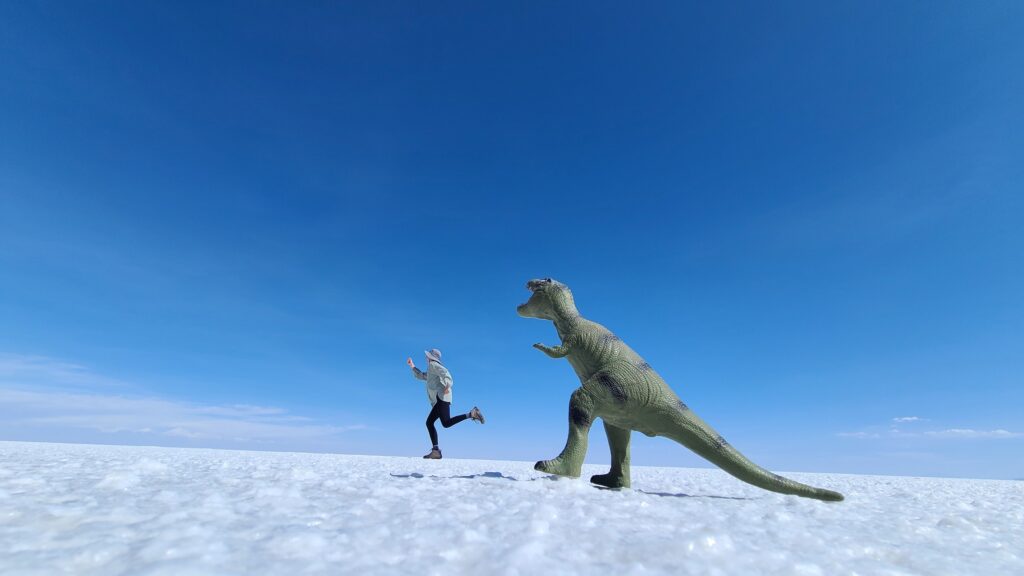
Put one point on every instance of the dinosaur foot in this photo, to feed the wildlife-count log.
(558, 467)
(610, 480)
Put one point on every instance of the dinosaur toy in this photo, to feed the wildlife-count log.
(623, 390)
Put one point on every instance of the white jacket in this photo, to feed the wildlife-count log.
(437, 378)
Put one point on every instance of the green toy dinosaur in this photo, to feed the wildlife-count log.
(627, 394)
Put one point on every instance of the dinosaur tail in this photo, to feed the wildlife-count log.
(698, 436)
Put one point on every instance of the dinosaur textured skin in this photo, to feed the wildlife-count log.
(621, 389)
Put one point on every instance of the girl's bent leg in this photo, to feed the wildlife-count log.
(444, 412)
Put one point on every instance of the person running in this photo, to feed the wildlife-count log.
(439, 392)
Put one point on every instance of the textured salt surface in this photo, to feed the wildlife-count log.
(110, 510)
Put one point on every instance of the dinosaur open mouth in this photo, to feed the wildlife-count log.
(532, 286)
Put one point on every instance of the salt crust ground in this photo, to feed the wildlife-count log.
(81, 509)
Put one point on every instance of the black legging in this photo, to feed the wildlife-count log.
(442, 411)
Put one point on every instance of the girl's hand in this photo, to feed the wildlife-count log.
(410, 363)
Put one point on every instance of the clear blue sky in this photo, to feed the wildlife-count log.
(228, 224)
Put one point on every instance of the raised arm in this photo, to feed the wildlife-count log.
(419, 374)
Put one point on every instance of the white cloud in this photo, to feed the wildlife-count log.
(873, 432)
(903, 419)
(44, 371)
(859, 434)
(27, 403)
(968, 433)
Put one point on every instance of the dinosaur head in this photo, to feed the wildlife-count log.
(551, 300)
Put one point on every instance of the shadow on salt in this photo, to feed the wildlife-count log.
(514, 479)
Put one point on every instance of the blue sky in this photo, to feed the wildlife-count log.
(228, 224)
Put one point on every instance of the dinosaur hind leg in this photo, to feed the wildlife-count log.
(618, 441)
(570, 461)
